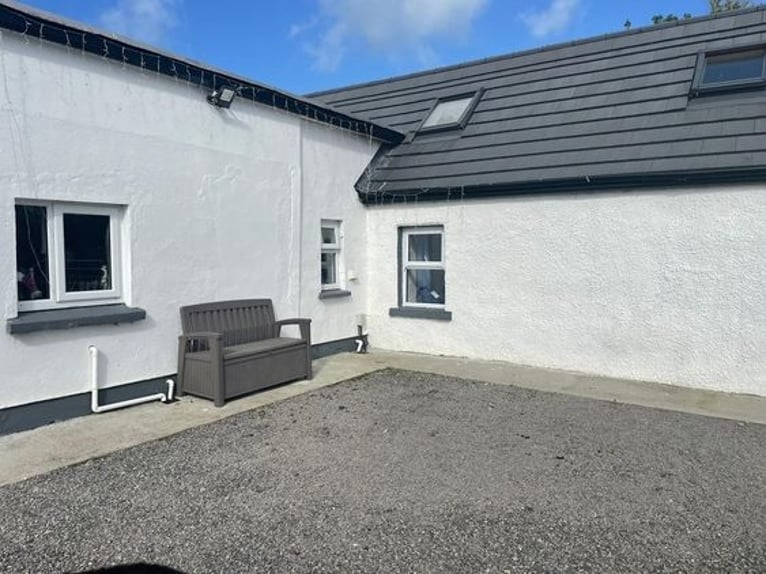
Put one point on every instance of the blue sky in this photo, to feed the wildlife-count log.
(308, 45)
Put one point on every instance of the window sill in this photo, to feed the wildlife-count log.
(334, 293)
(32, 321)
(421, 313)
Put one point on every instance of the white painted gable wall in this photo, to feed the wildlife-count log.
(220, 205)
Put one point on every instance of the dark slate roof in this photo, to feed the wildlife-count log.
(611, 112)
(35, 23)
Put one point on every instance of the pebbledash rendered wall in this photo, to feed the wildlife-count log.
(666, 286)
(218, 205)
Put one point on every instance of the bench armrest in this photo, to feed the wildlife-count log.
(198, 341)
(201, 335)
(303, 324)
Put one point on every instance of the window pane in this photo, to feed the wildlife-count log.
(87, 252)
(425, 247)
(425, 286)
(447, 112)
(328, 269)
(733, 68)
(328, 235)
(32, 253)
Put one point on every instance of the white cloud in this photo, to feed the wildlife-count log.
(302, 27)
(388, 26)
(147, 20)
(553, 19)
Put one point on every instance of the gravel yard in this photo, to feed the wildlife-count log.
(405, 472)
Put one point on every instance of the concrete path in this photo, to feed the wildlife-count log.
(62, 444)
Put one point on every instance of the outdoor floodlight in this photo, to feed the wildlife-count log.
(222, 97)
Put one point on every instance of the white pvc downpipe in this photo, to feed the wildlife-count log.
(94, 406)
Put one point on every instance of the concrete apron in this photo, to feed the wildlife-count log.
(41, 450)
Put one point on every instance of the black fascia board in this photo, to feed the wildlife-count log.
(630, 182)
(25, 20)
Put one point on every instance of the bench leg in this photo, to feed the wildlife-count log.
(179, 390)
(309, 374)
(218, 375)
(308, 362)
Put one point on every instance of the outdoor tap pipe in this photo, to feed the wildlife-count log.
(94, 406)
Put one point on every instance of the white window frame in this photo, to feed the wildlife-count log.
(59, 297)
(337, 248)
(406, 264)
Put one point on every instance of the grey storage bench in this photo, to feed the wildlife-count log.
(230, 348)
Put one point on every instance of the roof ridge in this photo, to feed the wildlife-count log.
(539, 49)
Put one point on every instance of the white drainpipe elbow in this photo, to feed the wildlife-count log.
(96, 408)
(171, 390)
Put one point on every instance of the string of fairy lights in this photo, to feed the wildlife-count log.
(145, 60)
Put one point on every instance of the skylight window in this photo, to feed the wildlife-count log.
(449, 113)
(730, 70)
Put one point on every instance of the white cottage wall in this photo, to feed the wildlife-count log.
(329, 194)
(666, 286)
(213, 205)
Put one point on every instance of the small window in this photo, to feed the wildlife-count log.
(331, 255)
(450, 113)
(67, 255)
(422, 272)
(729, 70)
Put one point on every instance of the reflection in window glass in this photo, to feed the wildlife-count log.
(448, 112)
(733, 68)
(87, 252)
(425, 247)
(329, 276)
(425, 286)
(32, 270)
(328, 235)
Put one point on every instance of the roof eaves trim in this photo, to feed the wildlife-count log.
(28, 21)
(601, 184)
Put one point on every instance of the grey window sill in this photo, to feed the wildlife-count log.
(33, 321)
(334, 294)
(421, 313)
